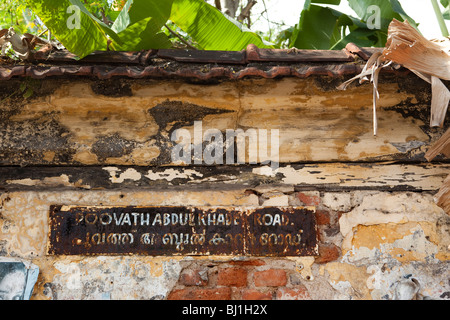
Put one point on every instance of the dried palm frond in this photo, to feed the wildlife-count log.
(428, 59)
(407, 47)
(442, 146)
(443, 196)
(21, 44)
(372, 69)
(18, 42)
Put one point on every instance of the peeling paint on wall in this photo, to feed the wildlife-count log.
(85, 142)
(385, 238)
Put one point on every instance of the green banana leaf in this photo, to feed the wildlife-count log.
(363, 37)
(325, 28)
(143, 35)
(139, 25)
(82, 38)
(319, 28)
(446, 12)
(334, 2)
(138, 10)
(211, 29)
(389, 9)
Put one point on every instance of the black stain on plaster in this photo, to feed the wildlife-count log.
(26, 141)
(413, 85)
(180, 113)
(172, 115)
(113, 146)
(112, 88)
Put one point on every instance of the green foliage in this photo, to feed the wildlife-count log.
(133, 25)
(17, 14)
(440, 16)
(319, 28)
(77, 29)
(284, 38)
(28, 87)
(390, 9)
(446, 13)
(140, 24)
(210, 28)
(325, 28)
(101, 9)
(335, 2)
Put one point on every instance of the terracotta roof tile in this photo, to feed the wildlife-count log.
(201, 65)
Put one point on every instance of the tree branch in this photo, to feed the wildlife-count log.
(180, 37)
(218, 5)
(268, 20)
(245, 13)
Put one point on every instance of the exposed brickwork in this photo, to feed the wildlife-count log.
(378, 225)
(254, 262)
(322, 217)
(249, 280)
(252, 294)
(223, 293)
(262, 278)
(308, 199)
(232, 277)
(194, 277)
(327, 253)
(282, 278)
(270, 278)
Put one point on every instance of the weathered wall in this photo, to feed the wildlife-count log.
(378, 224)
(130, 122)
(369, 241)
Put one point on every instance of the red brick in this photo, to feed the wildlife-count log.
(193, 277)
(253, 262)
(194, 293)
(327, 253)
(232, 277)
(251, 294)
(309, 200)
(270, 278)
(322, 217)
(298, 293)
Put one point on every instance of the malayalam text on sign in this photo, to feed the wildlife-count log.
(252, 231)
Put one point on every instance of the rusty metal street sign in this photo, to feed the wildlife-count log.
(265, 231)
